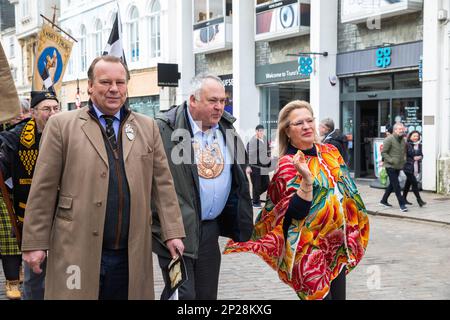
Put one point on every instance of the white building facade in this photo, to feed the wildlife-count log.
(365, 65)
(146, 39)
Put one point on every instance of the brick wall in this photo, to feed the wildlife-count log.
(218, 63)
(275, 51)
(394, 30)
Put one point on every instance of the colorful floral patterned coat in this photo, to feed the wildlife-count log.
(334, 234)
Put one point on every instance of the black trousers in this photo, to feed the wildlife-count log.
(114, 275)
(203, 273)
(394, 185)
(411, 181)
(260, 183)
(11, 266)
(338, 287)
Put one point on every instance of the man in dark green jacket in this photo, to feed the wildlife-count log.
(394, 158)
(208, 160)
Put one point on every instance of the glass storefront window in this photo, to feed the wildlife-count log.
(274, 98)
(348, 130)
(348, 85)
(305, 14)
(407, 80)
(409, 112)
(148, 105)
(374, 83)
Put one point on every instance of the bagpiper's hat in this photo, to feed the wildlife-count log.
(38, 96)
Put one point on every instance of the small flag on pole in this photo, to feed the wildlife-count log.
(77, 96)
(114, 45)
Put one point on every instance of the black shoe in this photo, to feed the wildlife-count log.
(403, 209)
(408, 203)
(386, 204)
(421, 202)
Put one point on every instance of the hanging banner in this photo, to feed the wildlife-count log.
(52, 55)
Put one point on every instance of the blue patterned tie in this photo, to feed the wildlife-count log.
(110, 131)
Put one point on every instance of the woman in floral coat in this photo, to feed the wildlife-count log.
(314, 227)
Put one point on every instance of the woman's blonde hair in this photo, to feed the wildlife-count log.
(283, 124)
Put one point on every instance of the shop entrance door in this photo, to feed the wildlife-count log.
(372, 117)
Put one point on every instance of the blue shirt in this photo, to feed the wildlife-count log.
(116, 123)
(213, 192)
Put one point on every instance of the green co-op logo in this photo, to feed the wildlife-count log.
(384, 57)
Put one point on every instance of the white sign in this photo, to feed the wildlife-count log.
(377, 159)
(357, 11)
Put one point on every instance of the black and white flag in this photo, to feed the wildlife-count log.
(114, 45)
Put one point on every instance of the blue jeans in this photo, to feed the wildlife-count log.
(33, 283)
(114, 275)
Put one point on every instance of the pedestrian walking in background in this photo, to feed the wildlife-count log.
(329, 134)
(394, 158)
(259, 159)
(412, 168)
(314, 227)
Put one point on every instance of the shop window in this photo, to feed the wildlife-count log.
(148, 105)
(348, 119)
(407, 80)
(228, 83)
(409, 112)
(375, 83)
(274, 98)
(305, 15)
(72, 105)
(212, 25)
(348, 85)
(281, 20)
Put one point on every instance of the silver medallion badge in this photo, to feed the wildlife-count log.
(129, 132)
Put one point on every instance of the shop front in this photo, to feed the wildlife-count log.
(384, 91)
(279, 84)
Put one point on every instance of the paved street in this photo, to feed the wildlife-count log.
(406, 258)
(411, 258)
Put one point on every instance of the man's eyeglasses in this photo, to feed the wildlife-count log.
(49, 109)
(301, 123)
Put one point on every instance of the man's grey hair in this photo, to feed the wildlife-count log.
(25, 105)
(198, 81)
(398, 124)
(329, 123)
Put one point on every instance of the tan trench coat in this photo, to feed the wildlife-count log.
(73, 158)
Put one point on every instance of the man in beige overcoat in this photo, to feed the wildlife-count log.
(99, 170)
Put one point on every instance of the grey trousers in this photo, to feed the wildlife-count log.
(203, 273)
(33, 284)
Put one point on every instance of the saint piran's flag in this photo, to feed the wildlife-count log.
(114, 45)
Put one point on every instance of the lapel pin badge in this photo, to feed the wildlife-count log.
(129, 131)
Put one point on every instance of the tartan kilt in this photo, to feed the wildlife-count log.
(8, 244)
